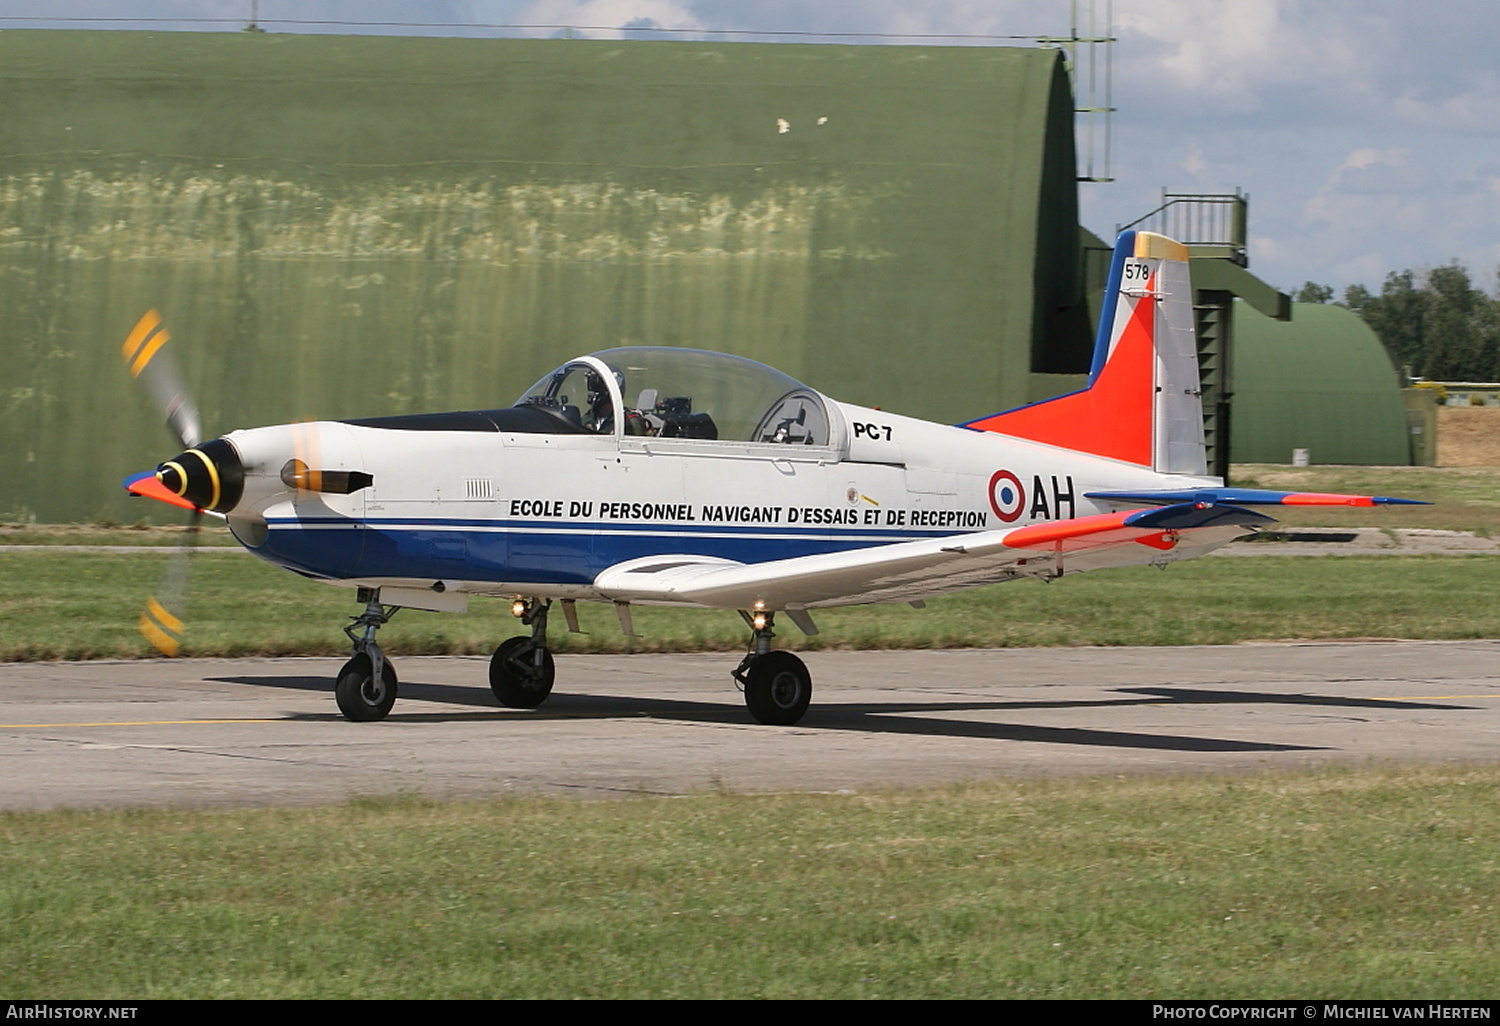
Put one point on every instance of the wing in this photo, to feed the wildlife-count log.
(908, 570)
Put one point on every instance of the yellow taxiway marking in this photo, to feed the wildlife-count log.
(131, 723)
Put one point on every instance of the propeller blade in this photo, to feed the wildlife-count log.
(164, 620)
(151, 363)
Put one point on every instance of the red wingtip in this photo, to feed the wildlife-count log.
(1326, 499)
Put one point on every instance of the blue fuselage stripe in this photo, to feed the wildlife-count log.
(539, 552)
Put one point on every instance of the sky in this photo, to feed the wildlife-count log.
(1366, 132)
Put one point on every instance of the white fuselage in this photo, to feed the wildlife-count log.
(455, 512)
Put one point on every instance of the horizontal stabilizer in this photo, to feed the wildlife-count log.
(1253, 497)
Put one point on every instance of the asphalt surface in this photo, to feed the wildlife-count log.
(261, 732)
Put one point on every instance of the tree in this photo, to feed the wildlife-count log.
(1396, 315)
(1437, 323)
(1312, 292)
(1455, 342)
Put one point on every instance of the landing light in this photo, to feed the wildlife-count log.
(518, 608)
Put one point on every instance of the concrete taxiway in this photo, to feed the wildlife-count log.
(198, 733)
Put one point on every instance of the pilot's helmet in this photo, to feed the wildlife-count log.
(597, 390)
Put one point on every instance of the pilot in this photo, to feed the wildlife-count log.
(601, 407)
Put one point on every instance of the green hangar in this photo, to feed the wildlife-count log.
(354, 226)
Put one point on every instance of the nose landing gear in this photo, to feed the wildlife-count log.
(366, 687)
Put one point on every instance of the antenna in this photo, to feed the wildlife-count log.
(1090, 58)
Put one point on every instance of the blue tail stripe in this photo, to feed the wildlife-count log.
(1124, 247)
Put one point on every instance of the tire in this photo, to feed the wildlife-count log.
(778, 689)
(390, 669)
(361, 699)
(513, 674)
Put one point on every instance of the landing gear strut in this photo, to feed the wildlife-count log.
(521, 670)
(777, 685)
(366, 687)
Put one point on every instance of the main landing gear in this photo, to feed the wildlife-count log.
(521, 670)
(777, 685)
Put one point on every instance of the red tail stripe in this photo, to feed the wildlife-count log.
(1113, 418)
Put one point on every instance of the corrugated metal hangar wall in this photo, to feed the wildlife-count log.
(350, 226)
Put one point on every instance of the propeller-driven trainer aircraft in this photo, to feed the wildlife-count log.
(676, 476)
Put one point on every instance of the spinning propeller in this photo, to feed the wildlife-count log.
(209, 477)
(152, 365)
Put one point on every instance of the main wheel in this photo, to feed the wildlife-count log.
(778, 688)
(361, 697)
(514, 676)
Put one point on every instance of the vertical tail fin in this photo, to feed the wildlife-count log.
(1141, 404)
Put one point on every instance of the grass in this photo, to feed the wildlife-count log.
(1463, 498)
(1348, 884)
(212, 534)
(57, 604)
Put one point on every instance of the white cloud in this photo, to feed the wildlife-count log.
(1475, 109)
(1244, 56)
(1375, 172)
(1193, 163)
(606, 19)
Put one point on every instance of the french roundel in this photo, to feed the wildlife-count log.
(1007, 497)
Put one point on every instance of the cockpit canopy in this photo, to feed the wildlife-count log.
(681, 393)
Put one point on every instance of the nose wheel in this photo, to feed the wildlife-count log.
(366, 685)
(363, 694)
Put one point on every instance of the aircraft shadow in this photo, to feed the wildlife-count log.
(1198, 696)
(908, 718)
